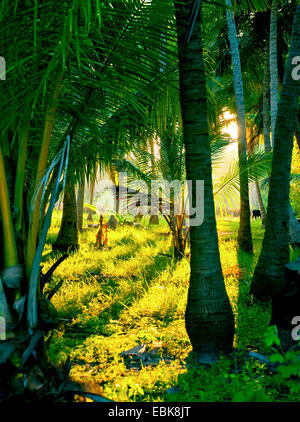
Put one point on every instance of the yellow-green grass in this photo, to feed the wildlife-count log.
(131, 293)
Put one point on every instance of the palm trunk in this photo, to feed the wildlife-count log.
(153, 218)
(80, 201)
(266, 101)
(67, 238)
(266, 124)
(209, 318)
(268, 277)
(244, 233)
(294, 227)
(92, 189)
(273, 67)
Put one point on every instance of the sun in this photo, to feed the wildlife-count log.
(230, 127)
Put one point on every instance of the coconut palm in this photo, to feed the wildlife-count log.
(244, 233)
(209, 319)
(269, 274)
(40, 102)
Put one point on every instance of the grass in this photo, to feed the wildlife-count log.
(128, 294)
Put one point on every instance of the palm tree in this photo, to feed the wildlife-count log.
(39, 102)
(244, 233)
(269, 273)
(209, 318)
(29, 99)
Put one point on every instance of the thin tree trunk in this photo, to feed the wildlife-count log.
(67, 238)
(273, 68)
(266, 101)
(153, 218)
(80, 201)
(244, 233)
(209, 318)
(92, 189)
(268, 277)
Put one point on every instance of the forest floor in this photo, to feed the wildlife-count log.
(131, 296)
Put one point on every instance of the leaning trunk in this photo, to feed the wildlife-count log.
(67, 238)
(244, 233)
(209, 318)
(269, 274)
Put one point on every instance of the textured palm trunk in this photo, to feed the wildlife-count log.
(266, 123)
(266, 101)
(80, 201)
(273, 67)
(244, 233)
(209, 318)
(268, 277)
(294, 227)
(67, 238)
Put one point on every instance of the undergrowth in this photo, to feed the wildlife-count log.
(133, 293)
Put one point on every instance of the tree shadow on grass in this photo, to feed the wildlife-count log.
(99, 322)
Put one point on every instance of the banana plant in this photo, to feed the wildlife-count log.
(60, 58)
